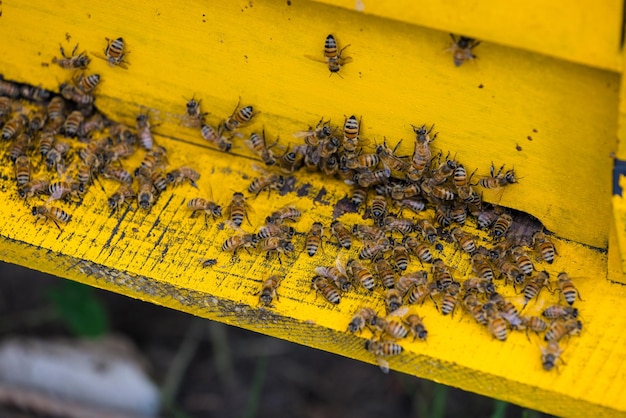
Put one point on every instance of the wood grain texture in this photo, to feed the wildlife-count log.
(255, 51)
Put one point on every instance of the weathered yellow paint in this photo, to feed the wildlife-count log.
(255, 51)
(584, 32)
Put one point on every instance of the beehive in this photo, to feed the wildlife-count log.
(540, 97)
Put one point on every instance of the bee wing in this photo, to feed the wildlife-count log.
(340, 263)
(346, 60)
(383, 364)
(99, 55)
(314, 58)
(401, 311)
(303, 134)
(322, 271)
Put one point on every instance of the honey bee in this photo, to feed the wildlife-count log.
(22, 171)
(502, 225)
(393, 299)
(534, 323)
(544, 246)
(372, 249)
(372, 178)
(181, 174)
(114, 53)
(466, 241)
(55, 108)
(427, 229)
(6, 107)
(236, 242)
(459, 177)
(550, 355)
(385, 272)
(362, 161)
(72, 93)
(406, 282)
(159, 180)
(393, 223)
(116, 152)
(415, 206)
(55, 156)
(511, 271)
(508, 311)
(267, 181)
(52, 213)
(416, 327)
(287, 213)
(238, 209)
(499, 179)
(462, 49)
(275, 230)
(86, 84)
(567, 288)
(418, 248)
(378, 207)
(442, 273)
(73, 123)
(116, 173)
(497, 326)
(534, 286)
(442, 216)
(314, 136)
(268, 290)
(342, 234)
(37, 118)
(559, 311)
(240, 117)
(327, 289)
(211, 135)
(522, 260)
(479, 284)
(388, 327)
(121, 133)
(314, 238)
(208, 207)
(368, 232)
(123, 194)
(389, 158)
(73, 61)
(450, 298)
(481, 266)
(485, 219)
(332, 55)
(383, 349)
(61, 189)
(420, 292)
(561, 328)
(33, 187)
(361, 274)
(277, 245)
(146, 194)
(9, 89)
(290, 161)
(194, 117)
(94, 123)
(337, 274)
(475, 308)
(401, 257)
(361, 319)
(14, 126)
(20, 146)
(258, 144)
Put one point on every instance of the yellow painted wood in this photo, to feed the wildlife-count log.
(255, 50)
(584, 32)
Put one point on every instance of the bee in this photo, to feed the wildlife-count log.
(240, 117)
(337, 274)
(389, 327)
(33, 187)
(208, 207)
(511, 271)
(287, 213)
(314, 136)
(290, 161)
(497, 326)
(145, 196)
(9, 89)
(20, 146)
(332, 55)
(361, 274)
(378, 207)
(37, 119)
(55, 156)
(86, 84)
(238, 209)
(143, 132)
(116, 152)
(561, 328)
(194, 117)
(534, 286)
(393, 299)
(442, 273)
(415, 206)
(6, 107)
(462, 49)
(123, 194)
(22, 171)
(181, 174)
(383, 349)
(368, 232)
(499, 179)
(485, 219)
(502, 226)
(258, 144)
(268, 290)
(481, 266)
(427, 229)
(326, 287)
(372, 178)
(236, 242)
(86, 171)
(389, 158)
(522, 260)
(211, 135)
(267, 181)
(405, 283)
(475, 308)
(567, 288)
(55, 108)
(458, 214)
(73, 123)
(73, 61)
(459, 177)
(534, 323)
(342, 234)
(278, 245)
(401, 225)
(328, 147)
(418, 248)
(508, 311)
(114, 53)
(72, 93)
(465, 241)
(544, 246)
(385, 272)
(117, 173)
(420, 292)
(122, 134)
(61, 189)
(362, 161)
(14, 126)
(442, 216)
(314, 238)
(550, 355)
(559, 311)
(401, 257)
(416, 327)
(479, 284)
(275, 230)
(361, 319)
(450, 298)
(372, 249)
(53, 213)
(94, 123)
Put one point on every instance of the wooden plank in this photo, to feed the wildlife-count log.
(583, 32)
(226, 50)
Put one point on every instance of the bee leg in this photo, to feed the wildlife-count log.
(193, 183)
(55, 222)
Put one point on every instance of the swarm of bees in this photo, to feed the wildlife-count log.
(411, 205)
